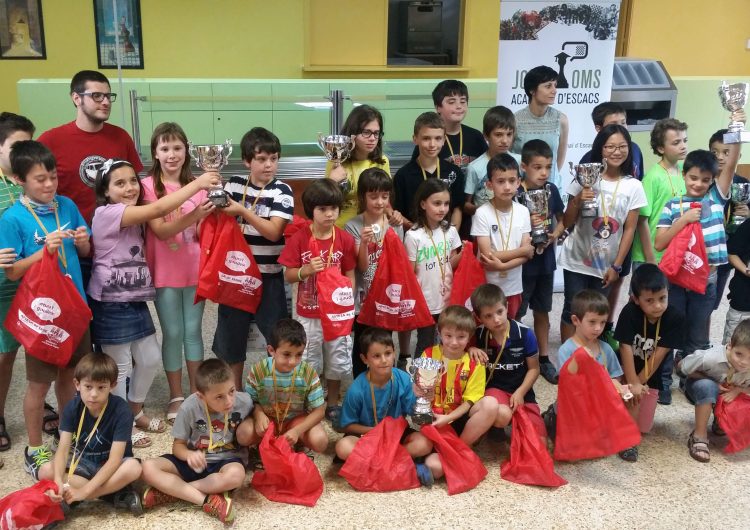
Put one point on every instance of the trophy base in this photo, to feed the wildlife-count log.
(422, 419)
(738, 137)
(539, 238)
(738, 220)
(588, 212)
(218, 198)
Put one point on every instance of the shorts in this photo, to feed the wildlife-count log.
(88, 468)
(576, 282)
(8, 342)
(537, 292)
(40, 372)
(627, 264)
(701, 391)
(120, 322)
(460, 424)
(503, 398)
(189, 475)
(514, 304)
(330, 359)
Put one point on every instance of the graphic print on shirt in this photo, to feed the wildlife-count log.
(88, 169)
(598, 255)
(307, 293)
(643, 348)
(217, 439)
(131, 276)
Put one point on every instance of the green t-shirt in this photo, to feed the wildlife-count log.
(9, 193)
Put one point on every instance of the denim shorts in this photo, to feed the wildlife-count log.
(576, 282)
(701, 391)
(189, 475)
(120, 322)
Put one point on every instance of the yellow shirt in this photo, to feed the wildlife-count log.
(354, 169)
(471, 382)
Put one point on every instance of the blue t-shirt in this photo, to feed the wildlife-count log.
(395, 399)
(637, 161)
(544, 263)
(20, 231)
(607, 359)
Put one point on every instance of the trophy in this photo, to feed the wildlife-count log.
(425, 373)
(740, 195)
(587, 175)
(213, 158)
(734, 97)
(337, 148)
(537, 201)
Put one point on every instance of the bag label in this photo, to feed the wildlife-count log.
(237, 261)
(45, 308)
(343, 296)
(54, 335)
(341, 317)
(249, 283)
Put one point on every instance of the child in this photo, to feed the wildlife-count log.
(264, 206)
(286, 390)
(121, 284)
(322, 201)
(608, 113)
(538, 274)
(648, 329)
(433, 251)
(368, 228)
(429, 137)
(720, 370)
(94, 458)
(739, 288)
(502, 228)
(42, 219)
(206, 462)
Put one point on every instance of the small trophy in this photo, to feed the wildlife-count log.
(337, 148)
(213, 158)
(587, 175)
(740, 195)
(425, 373)
(537, 201)
(734, 97)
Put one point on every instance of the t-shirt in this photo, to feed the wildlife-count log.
(739, 285)
(431, 257)
(473, 143)
(120, 272)
(20, 231)
(297, 253)
(606, 358)
(476, 178)
(488, 221)
(546, 128)
(275, 200)
(630, 331)
(216, 432)
(354, 169)
(174, 261)
(714, 364)
(592, 247)
(637, 160)
(9, 193)
(511, 369)
(729, 208)
(396, 399)
(409, 177)
(659, 186)
(544, 263)
(274, 398)
(470, 377)
(115, 426)
(80, 154)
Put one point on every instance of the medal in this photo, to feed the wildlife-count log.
(174, 246)
(604, 231)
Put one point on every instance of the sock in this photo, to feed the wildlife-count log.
(33, 450)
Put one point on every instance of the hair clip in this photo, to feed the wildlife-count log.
(106, 166)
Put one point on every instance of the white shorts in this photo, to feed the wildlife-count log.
(332, 359)
(734, 317)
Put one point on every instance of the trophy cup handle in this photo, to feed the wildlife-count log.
(321, 141)
(192, 150)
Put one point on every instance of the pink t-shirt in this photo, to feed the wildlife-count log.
(173, 262)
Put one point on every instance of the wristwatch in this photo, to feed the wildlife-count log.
(617, 269)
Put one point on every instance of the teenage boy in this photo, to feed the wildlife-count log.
(739, 287)
(611, 112)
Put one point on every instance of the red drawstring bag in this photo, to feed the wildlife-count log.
(685, 262)
(297, 224)
(463, 468)
(468, 276)
(734, 419)
(288, 476)
(530, 462)
(335, 298)
(228, 274)
(47, 315)
(395, 300)
(379, 462)
(30, 507)
(592, 420)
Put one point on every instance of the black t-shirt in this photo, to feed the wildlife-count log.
(474, 145)
(730, 227)
(410, 176)
(739, 286)
(544, 263)
(629, 331)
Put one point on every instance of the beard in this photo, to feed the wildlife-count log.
(95, 116)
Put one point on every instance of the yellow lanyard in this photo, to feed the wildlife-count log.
(499, 353)
(280, 419)
(669, 179)
(333, 241)
(73, 460)
(650, 369)
(460, 144)
(211, 430)
(372, 396)
(61, 252)
(611, 203)
(424, 175)
(244, 194)
(437, 254)
(504, 241)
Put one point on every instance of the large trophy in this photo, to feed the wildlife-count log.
(734, 97)
(425, 373)
(740, 195)
(587, 175)
(337, 148)
(213, 158)
(537, 201)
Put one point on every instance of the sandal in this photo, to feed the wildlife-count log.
(4, 436)
(171, 416)
(698, 448)
(50, 416)
(333, 414)
(155, 425)
(140, 440)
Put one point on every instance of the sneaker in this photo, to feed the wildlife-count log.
(153, 497)
(425, 475)
(550, 421)
(32, 462)
(549, 373)
(630, 454)
(221, 507)
(665, 397)
(128, 499)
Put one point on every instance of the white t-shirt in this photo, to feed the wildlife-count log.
(592, 248)
(514, 225)
(436, 283)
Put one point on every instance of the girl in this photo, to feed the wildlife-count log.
(173, 256)
(121, 282)
(432, 246)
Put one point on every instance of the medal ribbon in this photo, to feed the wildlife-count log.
(611, 203)
(437, 254)
(504, 241)
(424, 175)
(650, 369)
(460, 145)
(372, 396)
(500, 351)
(458, 391)
(211, 429)
(73, 460)
(280, 419)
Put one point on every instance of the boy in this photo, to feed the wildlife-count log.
(538, 276)
(739, 288)
(648, 329)
(502, 228)
(287, 391)
(720, 370)
(264, 206)
(206, 462)
(322, 200)
(95, 457)
(611, 112)
(429, 137)
(37, 220)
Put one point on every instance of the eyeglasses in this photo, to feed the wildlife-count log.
(367, 133)
(99, 96)
(612, 148)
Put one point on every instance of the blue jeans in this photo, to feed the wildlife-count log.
(701, 391)
(698, 308)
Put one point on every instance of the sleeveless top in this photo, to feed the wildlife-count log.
(546, 128)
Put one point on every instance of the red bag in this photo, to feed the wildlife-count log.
(592, 420)
(297, 224)
(395, 300)
(47, 315)
(462, 467)
(468, 276)
(30, 507)
(685, 262)
(228, 274)
(734, 418)
(288, 476)
(530, 462)
(379, 462)
(335, 299)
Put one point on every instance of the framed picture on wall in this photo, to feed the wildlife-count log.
(118, 33)
(21, 30)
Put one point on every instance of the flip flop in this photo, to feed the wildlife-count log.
(49, 417)
(171, 416)
(4, 436)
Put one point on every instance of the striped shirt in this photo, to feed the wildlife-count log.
(275, 200)
(307, 395)
(9, 193)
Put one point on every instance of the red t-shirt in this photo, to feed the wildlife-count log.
(297, 252)
(79, 154)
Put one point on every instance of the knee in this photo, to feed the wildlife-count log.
(417, 445)
(503, 415)
(317, 439)
(246, 432)
(132, 469)
(234, 475)
(434, 465)
(345, 446)
(149, 469)
(47, 471)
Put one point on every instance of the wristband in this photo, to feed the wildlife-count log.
(299, 274)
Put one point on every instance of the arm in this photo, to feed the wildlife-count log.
(356, 428)
(611, 276)
(517, 398)
(665, 234)
(54, 241)
(261, 420)
(724, 180)
(456, 217)
(562, 147)
(628, 367)
(60, 463)
(165, 229)
(363, 257)
(469, 207)
(458, 412)
(738, 264)
(311, 420)
(455, 258)
(644, 235)
(272, 229)
(193, 457)
(574, 206)
(91, 488)
(352, 278)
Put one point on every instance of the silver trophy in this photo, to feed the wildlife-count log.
(213, 158)
(337, 148)
(537, 201)
(425, 372)
(587, 175)
(734, 97)
(740, 195)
